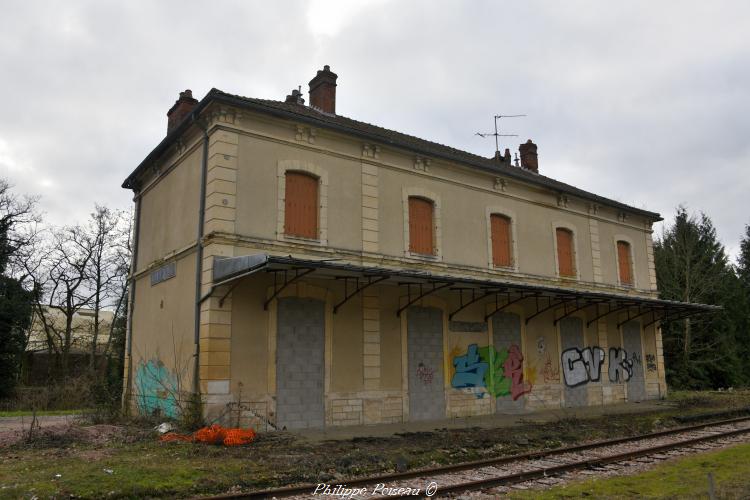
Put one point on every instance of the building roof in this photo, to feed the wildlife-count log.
(378, 135)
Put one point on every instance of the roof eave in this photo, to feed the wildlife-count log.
(219, 96)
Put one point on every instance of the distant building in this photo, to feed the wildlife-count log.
(82, 330)
(305, 269)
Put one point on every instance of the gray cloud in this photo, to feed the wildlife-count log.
(642, 102)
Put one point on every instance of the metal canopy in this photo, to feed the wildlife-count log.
(228, 270)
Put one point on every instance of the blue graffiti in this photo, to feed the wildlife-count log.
(470, 369)
(156, 389)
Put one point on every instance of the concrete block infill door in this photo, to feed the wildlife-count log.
(425, 362)
(506, 337)
(571, 336)
(631, 339)
(300, 355)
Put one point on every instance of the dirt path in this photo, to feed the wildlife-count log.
(24, 422)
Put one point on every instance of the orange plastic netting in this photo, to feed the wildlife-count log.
(214, 434)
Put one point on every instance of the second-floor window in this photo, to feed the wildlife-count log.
(502, 254)
(624, 261)
(565, 253)
(301, 205)
(421, 226)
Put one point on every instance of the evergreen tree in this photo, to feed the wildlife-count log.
(743, 273)
(15, 301)
(692, 266)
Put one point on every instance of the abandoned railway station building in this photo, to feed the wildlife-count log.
(297, 269)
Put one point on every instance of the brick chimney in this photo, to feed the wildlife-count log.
(529, 159)
(181, 108)
(323, 90)
(295, 98)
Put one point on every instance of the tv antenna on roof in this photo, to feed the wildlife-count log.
(497, 134)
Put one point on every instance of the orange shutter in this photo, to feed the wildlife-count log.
(420, 226)
(565, 252)
(623, 257)
(301, 205)
(501, 250)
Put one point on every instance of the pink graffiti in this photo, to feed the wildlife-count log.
(425, 374)
(550, 373)
(513, 369)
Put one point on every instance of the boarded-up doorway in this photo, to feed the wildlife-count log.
(631, 340)
(300, 353)
(506, 333)
(571, 335)
(425, 351)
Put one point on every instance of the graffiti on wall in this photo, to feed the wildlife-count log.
(581, 366)
(513, 369)
(425, 374)
(620, 367)
(499, 373)
(156, 388)
(551, 373)
(651, 362)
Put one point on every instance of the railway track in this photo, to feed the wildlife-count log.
(502, 472)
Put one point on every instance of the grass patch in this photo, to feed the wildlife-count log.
(142, 467)
(28, 413)
(681, 478)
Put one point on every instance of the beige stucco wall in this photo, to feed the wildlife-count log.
(364, 203)
(257, 188)
(163, 321)
(169, 211)
(249, 341)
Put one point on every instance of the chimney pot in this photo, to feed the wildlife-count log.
(529, 158)
(295, 98)
(182, 107)
(323, 90)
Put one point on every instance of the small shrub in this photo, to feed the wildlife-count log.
(191, 414)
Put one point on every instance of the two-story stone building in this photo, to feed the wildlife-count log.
(301, 269)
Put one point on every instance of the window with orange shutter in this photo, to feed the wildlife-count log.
(421, 226)
(623, 259)
(501, 240)
(301, 205)
(565, 256)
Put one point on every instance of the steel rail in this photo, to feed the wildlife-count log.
(533, 474)
(287, 491)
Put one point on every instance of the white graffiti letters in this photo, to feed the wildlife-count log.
(581, 366)
(620, 367)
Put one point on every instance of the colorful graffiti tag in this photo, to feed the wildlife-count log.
(156, 389)
(500, 373)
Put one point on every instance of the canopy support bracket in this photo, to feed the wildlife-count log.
(360, 286)
(422, 293)
(299, 272)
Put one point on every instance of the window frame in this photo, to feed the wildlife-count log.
(511, 215)
(633, 280)
(437, 234)
(573, 247)
(431, 207)
(314, 180)
(313, 170)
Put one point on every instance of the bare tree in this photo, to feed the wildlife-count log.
(107, 232)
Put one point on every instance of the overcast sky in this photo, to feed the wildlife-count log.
(647, 103)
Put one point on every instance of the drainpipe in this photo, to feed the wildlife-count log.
(199, 257)
(131, 300)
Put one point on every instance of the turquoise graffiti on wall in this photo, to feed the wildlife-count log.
(499, 372)
(156, 388)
